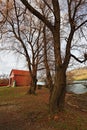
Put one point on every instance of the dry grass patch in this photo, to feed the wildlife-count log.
(20, 111)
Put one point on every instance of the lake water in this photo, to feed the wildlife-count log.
(77, 88)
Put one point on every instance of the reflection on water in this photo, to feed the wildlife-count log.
(77, 88)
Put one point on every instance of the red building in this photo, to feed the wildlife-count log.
(19, 78)
(4, 82)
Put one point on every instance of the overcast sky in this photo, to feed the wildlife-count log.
(9, 61)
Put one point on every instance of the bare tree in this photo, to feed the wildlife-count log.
(47, 47)
(65, 22)
(47, 59)
(21, 26)
(76, 19)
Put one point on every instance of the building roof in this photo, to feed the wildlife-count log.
(19, 72)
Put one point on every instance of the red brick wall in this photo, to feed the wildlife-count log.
(22, 80)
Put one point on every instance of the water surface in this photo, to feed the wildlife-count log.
(77, 88)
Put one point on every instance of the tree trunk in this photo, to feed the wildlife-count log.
(47, 67)
(33, 85)
(57, 98)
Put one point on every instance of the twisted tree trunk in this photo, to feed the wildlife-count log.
(57, 99)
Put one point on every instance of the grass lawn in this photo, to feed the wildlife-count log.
(20, 111)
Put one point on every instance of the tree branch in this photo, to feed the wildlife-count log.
(81, 61)
(48, 5)
(81, 25)
(37, 14)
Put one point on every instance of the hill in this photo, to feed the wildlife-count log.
(78, 74)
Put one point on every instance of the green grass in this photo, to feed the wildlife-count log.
(9, 92)
(9, 95)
